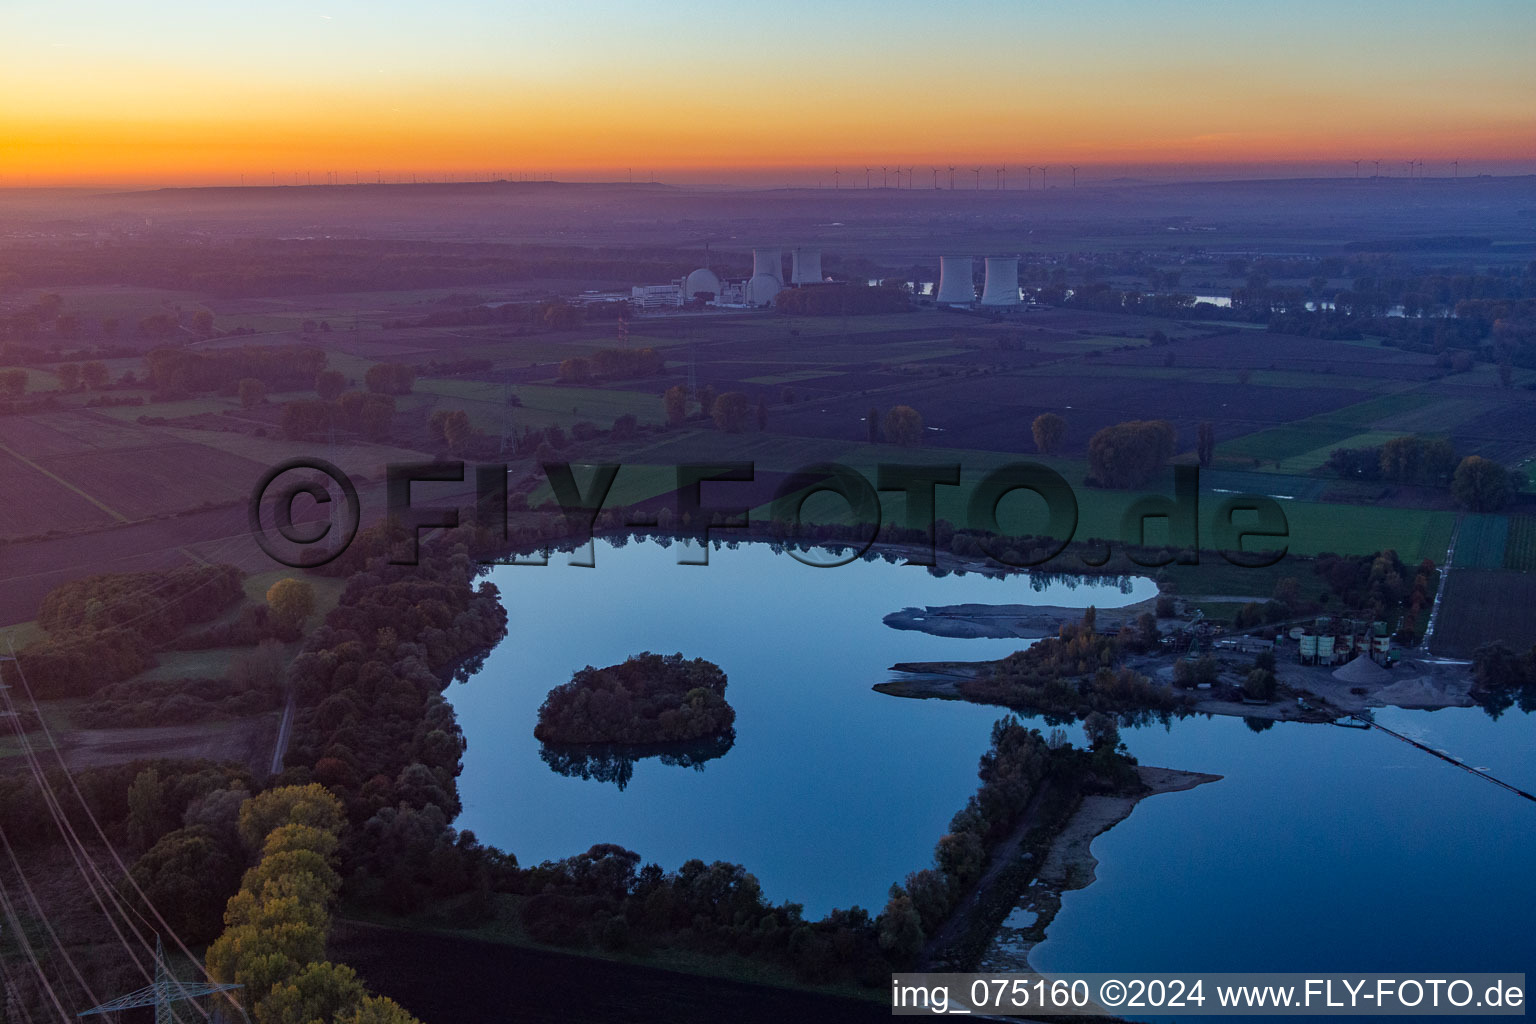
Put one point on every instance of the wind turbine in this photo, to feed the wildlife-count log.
(1455, 168)
(1377, 164)
(1357, 168)
(1074, 176)
(910, 179)
(1042, 177)
(885, 179)
(866, 177)
(935, 178)
(977, 171)
(837, 177)
(951, 178)
(1029, 177)
(1000, 171)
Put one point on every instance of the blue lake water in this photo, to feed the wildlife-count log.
(831, 791)
(1322, 848)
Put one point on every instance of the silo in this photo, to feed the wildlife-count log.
(768, 262)
(1308, 647)
(957, 285)
(1002, 287)
(1325, 650)
(805, 266)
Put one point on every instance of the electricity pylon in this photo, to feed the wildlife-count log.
(165, 991)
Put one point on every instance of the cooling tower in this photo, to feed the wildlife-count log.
(769, 262)
(805, 266)
(1002, 287)
(761, 289)
(956, 284)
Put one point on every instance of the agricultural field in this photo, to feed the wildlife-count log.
(1480, 542)
(1520, 545)
(1483, 605)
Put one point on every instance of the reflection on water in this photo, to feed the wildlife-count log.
(615, 762)
(831, 791)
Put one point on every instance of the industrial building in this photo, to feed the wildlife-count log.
(1327, 642)
(756, 291)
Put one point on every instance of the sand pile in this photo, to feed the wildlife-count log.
(1362, 671)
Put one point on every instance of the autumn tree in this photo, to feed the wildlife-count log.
(291, 600)
(1480, 484)
(95, 374)
(329, 384)
(575, 370)
(1129, 454)
(904, 426)
(1049, 430)
(1101, 731)
(730, 412)
(185, 875)
(675, 403)
(377, 1010)
(252, 392)
(451, 426)
(900, 927)
(69, 376)
(390, 379)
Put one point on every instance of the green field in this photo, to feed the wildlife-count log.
(1323, 432)
(1520, 545)
(1480, 542)
(1315, 527)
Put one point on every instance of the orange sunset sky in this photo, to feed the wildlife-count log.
(181, 93)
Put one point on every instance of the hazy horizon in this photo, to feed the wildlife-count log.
(700, 94)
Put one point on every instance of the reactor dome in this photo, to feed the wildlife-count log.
(701, 280)
(762, 288)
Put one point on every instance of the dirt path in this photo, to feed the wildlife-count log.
(1003, 856)
(1070, 865)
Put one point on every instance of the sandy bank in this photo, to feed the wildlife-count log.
(1070, 864)
(1002, 621)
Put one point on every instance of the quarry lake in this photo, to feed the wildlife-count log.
(831, 791)
(1322, 848)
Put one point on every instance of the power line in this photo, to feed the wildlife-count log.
(37, 909)
(101, 833)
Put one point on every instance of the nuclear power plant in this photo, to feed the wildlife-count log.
(956, 287)
(1002, 285)
(758, 290)
(767, 278)
(805, 266)
(957, 284)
